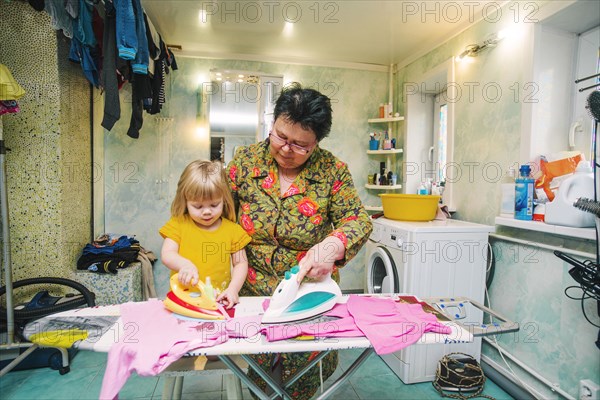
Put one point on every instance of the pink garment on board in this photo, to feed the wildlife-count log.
(391, 326)
(243, 327)
(152, 339)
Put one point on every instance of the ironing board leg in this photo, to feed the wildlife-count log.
(242, 375)
(178, 388)
(233, 386)
(168, 386)
(304, 370)
(346, 375)
(277, 389)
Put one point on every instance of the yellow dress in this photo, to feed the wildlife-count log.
(210, 251)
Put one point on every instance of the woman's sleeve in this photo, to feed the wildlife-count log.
(233, 177)
(351, 222)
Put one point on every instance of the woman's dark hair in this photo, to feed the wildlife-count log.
(307, 107)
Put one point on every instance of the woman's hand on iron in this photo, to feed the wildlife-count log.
(319, 260)
(188, 275)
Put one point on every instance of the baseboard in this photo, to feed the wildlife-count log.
(505, 382)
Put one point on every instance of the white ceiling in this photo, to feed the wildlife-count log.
(322, 32)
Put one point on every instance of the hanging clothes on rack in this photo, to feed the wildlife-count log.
(124, 46)
(85, 49)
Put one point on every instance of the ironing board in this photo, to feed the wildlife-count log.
(235, 352)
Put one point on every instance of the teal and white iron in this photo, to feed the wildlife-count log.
(293, 301)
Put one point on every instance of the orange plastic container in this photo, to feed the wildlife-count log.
(409, 207)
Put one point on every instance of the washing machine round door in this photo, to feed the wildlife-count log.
(382, 276)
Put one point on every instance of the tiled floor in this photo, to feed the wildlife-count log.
(373, 380)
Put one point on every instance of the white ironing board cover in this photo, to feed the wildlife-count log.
(256, 344)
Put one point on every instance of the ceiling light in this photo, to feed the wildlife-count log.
(288, 29)
(202, 17)
(473, 50)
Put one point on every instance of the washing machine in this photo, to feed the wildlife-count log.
(428, 259)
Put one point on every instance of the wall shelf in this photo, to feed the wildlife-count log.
(581, 233)
(383, 187)
(382, 120)
(385, 152)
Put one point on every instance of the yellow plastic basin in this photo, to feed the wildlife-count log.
(409, 207)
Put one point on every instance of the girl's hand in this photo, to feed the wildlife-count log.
(229, 297)
(188, 275)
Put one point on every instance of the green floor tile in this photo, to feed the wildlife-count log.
(10, 382)
(372, 381)
(88, 359)
(377, 386)
(48, 384)
(139, 387)
(201, 383)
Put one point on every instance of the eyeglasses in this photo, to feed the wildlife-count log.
(294, 147)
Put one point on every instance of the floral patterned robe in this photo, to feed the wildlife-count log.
(321, 201)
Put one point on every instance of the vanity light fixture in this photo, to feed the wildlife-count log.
(473, 50)
(231, 76)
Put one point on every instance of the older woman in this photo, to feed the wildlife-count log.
(299, 205)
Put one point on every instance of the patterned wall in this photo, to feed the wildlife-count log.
(49, 185)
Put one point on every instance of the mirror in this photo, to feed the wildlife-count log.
(239, 106)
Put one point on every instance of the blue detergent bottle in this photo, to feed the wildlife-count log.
(524, 194)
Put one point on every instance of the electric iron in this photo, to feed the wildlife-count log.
(194, 302)
(292, 301)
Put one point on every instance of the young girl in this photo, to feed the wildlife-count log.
(201, 238)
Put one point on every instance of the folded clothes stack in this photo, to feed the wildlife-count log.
(109, 252)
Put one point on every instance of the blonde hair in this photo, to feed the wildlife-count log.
(202, 180)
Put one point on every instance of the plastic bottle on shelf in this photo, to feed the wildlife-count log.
(561, 211)
(387, 143)
(524, 194)
(381, 110)
(422, 189)
(428, 185)
(507, 188)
